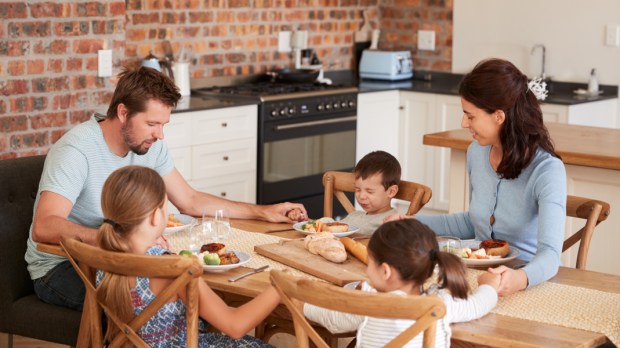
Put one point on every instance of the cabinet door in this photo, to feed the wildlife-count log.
(377, 123)
(224, 124)
(226, 157)
(448, 115)
(239, 187)
(415, 109)
(554, 113)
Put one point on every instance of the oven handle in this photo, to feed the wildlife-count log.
(315, 123)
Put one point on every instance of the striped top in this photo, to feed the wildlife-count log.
(76, 168)
(377, 332)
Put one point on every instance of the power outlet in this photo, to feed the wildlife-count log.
(284, 41)
(426, 40)
(612, 35)
(105, 63)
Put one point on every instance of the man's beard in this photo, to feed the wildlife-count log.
(136, 148)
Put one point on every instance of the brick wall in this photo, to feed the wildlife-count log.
(48, 49)
(401, 20)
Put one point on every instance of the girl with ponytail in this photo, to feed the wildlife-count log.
(402, 257)
(133, 201)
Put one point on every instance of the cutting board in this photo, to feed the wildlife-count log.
(293, 254)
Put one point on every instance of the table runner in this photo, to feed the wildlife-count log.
(551, 303)
(243, 241)
(562, 305)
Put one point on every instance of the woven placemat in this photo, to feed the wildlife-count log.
(562, 305)
(242, 241)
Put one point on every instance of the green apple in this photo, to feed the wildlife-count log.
(185, 253)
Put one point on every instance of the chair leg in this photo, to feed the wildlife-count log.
(6, 340)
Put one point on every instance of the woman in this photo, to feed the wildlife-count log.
(517, 181)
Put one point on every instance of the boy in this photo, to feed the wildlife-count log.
(377, 176)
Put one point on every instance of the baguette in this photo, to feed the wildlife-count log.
(357, 249)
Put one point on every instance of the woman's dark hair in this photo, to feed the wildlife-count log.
(411, 248)
(379, 162)
(136, 87)
(496, 84)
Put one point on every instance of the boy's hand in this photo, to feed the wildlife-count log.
(397, 217)
(489, 279)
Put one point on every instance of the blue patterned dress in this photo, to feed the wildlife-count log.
(167, 328)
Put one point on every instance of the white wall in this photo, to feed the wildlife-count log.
(573, 32)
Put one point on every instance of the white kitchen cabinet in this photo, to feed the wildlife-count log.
(377, 123)
(422, 113)
(215, 150)
(602, 113)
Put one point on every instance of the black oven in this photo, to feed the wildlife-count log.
(300, 139)
(304, 130)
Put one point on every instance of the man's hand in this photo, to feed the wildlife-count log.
(512, 280)
(279, 212)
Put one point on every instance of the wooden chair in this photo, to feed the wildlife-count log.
(337, 183)
(87, 259)
(594, 212)
(425, 310)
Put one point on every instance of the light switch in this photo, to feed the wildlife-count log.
(105, 63)
(612, 35)
(426, 40)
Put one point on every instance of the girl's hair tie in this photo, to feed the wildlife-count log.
(111, 222)
(432, 255)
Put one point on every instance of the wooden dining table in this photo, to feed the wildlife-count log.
(491, 330)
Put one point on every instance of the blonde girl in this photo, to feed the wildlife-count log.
(133, 202)
(402, 256)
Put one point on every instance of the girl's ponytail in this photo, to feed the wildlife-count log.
(452, 274)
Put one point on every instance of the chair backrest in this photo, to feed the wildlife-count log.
(87, 259)
(594, 212)
(336, 183)
(19, 183)
(425, 310)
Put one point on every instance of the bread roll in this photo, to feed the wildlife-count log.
(327, 246)
(357, 249)
(495, 247)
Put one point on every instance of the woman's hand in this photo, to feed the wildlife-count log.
(512, 280)
(163, 242)
(397, 217)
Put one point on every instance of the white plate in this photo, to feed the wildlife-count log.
(513, 254)
(352, 229)
(243, 259)
(185, 219)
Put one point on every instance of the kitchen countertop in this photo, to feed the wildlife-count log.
(577, 145)
(196, 103)
(447, 83)
(560, 93)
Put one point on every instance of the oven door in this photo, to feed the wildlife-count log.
(294, 155)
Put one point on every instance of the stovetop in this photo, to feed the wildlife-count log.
(273, 91)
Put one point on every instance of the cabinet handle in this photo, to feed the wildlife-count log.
(223, 194)
(225, 158)
(401, 108)
(224, 124)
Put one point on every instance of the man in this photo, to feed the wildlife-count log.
(68, 202)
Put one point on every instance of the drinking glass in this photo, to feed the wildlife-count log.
(222, 223)
(208, 228)
(450, 244)
(195, 238)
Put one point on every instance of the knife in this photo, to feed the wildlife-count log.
(258, 270)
